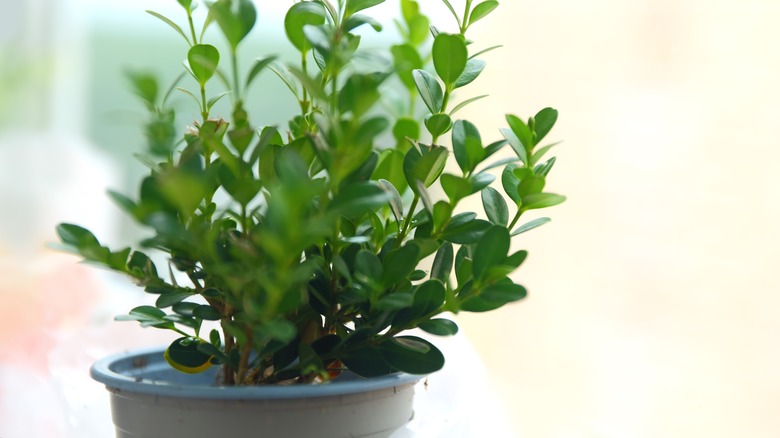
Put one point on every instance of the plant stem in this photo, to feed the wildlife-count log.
(305, 101)
(228, 378)
(465, 25)
(243, 366)
(517, 217)
(244, 220)
(234, 65)
(408, 220)
(205, 106)
(444, 103)
(192, 28)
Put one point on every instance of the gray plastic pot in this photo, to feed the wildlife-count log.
(149, 399)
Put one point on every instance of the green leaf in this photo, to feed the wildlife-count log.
(516, 144)
(218, 357)
(399, 263)
(207, 313)
(170, 298)
(424, 165)
(419, 26)
(463, 104)
(481, 10)
(483, 51)
(394, 301)
(396, 204)
(500, 163)
(522, 131)
(391, 168)
(511, 182)
(530, 183)
(368, 267)
(539, 153)
(442, 263)
(216, 99)
(359, 5)
(438, 124)
(425, 197)
(148, 316)
(439, 327)
(298, 16)
(268, 136)
(358, 20)
(474, 68)
(491, 250)
(203, 60)
(494, 147)
(449, 57)
(516, 259)
(412, 355)
(189, 93)
(405, 60)
(235, 24)
(495, 206)
(186, 4)
(360, 198)
(480, 181)
(404, 130)
(428, 298)
(409, 9)
(185, 308)
(285, 75)
(366, 362)
(279, 329)
(542, 200)
(141, 263)
(442, 212)
(544, 169)
(466, 145)
(266, 168)
(455, 187)
(312, 86)
(332, 12)
(418, 274)
(170, 23)
(531, 225)
(145, 86)
(430, 90)
(241, 184)
(76, 236)
(368, 131)
(494, 296)
(465, 232)
(319, 38)
(544, 121)
(259, 65)
(359, 93)
(183, 354)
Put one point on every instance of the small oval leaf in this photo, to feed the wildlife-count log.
(439, 327)
(298, 16)
(450, 56)
(203, 60)
(430, 90)
(495, 206)
(481, 10)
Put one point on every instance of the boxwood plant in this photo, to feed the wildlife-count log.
(295, 253)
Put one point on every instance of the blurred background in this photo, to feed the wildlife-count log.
(652, 296)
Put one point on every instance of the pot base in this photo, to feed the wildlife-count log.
(151, 400)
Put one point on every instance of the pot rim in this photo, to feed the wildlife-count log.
(125, 372)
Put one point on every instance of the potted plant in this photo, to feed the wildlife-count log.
(298, 258)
